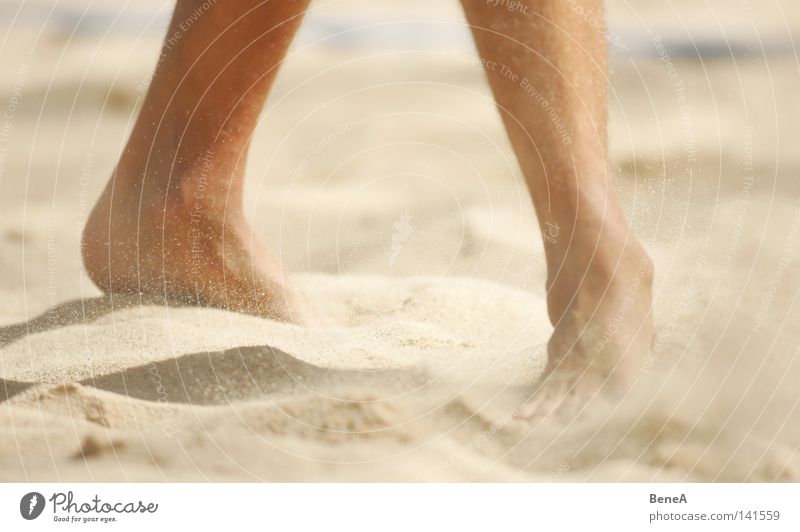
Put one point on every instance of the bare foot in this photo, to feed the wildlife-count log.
(184, 244)
(599, 299)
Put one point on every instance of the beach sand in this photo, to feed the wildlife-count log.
(381, 176)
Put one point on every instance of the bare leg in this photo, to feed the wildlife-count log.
(170, 220)
(547, 67)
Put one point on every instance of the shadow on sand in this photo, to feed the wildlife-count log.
(209, 377)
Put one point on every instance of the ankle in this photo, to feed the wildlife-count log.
(171, 184)
(608, 264)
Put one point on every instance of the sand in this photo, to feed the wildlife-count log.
(383, 178)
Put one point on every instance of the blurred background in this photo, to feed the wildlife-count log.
(381, 117)
(380, 151)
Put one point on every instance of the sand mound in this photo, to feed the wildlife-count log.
(419, 380)
(396, 360)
